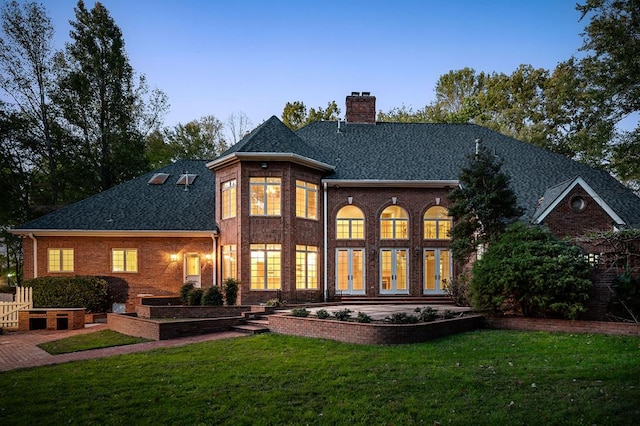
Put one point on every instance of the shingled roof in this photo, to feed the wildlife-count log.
(137, 205)
(421, 151)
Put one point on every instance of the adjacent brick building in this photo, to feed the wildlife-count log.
(352, 208)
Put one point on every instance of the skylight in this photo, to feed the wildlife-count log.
(187, 179)
(158, 178)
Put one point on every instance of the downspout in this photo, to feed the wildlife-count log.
(325, 234)
(35, 255)
(214, 256)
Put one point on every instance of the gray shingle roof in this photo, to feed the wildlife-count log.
(420, 151)
(137, 205)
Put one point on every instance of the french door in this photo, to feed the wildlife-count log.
(192, 268)
(350, 271)
(437, 270)
(394, 265)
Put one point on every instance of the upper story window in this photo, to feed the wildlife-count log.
(437, 223)
(60, 260)
(350, 223)
(124, 260)
(265, 196)
(228, 203)
(306, 200)
(394, 223)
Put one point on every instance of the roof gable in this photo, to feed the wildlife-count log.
(554, 195)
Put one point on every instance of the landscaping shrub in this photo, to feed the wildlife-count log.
(185, 290)
(427, 314)
(402, 318)
(212, 296)
(458, 289)
(230, 287)
(323, 314)
(70, 292)
(273, 303)
(448, 314)
(362, 317)
(194, 297)
(117, 289)
(530, 272)
(343, 315)
(300, 312)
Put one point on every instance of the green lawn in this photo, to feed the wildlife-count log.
(477, 378)
(85, 342)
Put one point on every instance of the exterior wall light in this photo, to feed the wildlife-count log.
(173, 257)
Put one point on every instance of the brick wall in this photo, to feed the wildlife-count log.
(565, 326)
(371, 333)
(157, 274)
(148, 311)
(157, 330)
(564, 220)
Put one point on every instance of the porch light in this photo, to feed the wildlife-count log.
(208, 256)
(173, 257)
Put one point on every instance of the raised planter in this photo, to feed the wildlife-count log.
(181, 311)
(163, 329)
(371, 333)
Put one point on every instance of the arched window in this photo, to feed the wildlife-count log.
(394, 223)
(437, 223)
(350, 223)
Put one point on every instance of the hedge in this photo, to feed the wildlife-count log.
(86, 292)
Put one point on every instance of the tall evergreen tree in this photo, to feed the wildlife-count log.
(99, 99)
(482, 206)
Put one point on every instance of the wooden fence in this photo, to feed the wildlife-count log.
(9, 310)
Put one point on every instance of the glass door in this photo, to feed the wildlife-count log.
(350, 271)
(192, 268)
(394, 265)
(437, 270)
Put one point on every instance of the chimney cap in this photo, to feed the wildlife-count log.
(366, 93)
(355, 93)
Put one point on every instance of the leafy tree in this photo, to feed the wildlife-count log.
(295, 114)
(102, 106)
(198, 139)
(528, 271)
(611, 67)
(482, 206)
(26, 77)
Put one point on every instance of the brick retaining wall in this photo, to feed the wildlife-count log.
(566, 326)
(371, 333)
(152, 311)
(162, 330)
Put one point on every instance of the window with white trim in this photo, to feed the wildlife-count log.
(265, 266)
(306, 267)
(124, 260)
(437, 223)
(228, 199)
(60, 260)
(306, 200)
(394, 223)
(265, 196)
(350, 223)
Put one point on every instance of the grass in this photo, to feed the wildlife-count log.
(480, 378)
(84, 342)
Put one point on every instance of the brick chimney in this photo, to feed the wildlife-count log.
(361, 108)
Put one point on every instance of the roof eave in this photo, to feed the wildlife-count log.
(269, 156)
(378, 183)
(113, 233)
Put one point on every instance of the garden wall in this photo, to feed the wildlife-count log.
(566, 326)
(163, 330)
(151, 311)
(371, 333)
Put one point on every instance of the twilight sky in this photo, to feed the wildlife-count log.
(228, 56)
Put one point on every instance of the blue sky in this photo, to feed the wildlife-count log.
(228, 56)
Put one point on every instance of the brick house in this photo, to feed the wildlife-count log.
(346, 209)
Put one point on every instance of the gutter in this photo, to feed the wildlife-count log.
(35, 254)
(325, 236)
(214, 256)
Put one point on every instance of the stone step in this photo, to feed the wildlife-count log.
(250, 329)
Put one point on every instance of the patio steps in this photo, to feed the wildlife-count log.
(251, 328)
(380, 300)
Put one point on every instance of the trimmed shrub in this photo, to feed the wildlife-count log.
(194, 297)
(273, 303)
(427, 314)
(300, 312)
(230, 288)
(185, 290)
(343, 315)
(117, 289)
(530, 272)
(362, 317)
(625, 300)
(323, 314)
(212, 296)
(402, 318)
(70, 292)
(458, 289)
